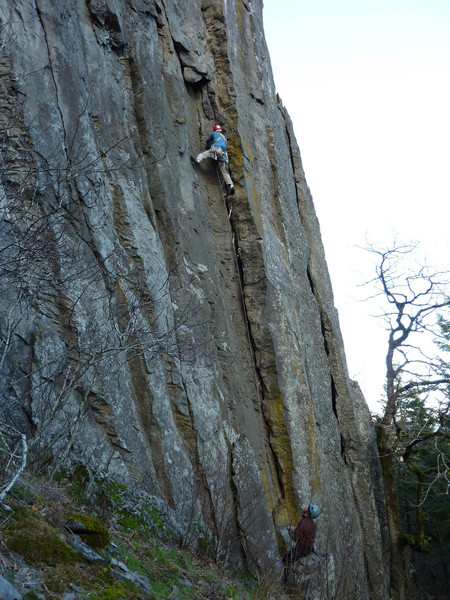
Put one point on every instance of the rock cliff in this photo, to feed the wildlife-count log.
(171, 339)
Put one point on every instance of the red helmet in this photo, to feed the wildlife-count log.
(217, 128)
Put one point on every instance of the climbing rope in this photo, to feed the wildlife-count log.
(237, 257)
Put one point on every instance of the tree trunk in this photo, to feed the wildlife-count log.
(419, 543)
(398, 559)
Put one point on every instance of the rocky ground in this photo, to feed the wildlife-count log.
(55, 543)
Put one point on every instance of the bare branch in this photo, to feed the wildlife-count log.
(13, 457)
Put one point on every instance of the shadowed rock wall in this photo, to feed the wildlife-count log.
(155, 336)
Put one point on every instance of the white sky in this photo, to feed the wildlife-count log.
(367, 85)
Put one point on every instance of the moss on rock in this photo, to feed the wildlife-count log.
(37, 541)
(91, 531)
(98, 580)
(31, 596)
(124, 590)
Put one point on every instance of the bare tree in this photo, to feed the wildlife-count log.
(13, 457)
(415, 300)
(100, 314)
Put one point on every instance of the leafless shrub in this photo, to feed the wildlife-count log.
(13, 457)
(82, 316)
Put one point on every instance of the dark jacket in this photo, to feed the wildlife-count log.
(304, 535)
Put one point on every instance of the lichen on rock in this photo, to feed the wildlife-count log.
(169, 339)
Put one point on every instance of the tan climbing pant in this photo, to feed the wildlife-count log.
(222, 165)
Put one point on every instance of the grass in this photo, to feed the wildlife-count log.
(33, 531)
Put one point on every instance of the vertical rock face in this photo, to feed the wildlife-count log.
(146, 330)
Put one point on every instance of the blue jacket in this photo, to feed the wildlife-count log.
(217, 139)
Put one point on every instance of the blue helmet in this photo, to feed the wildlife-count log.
(314, 511)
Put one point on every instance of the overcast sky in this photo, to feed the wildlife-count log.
(366, 83)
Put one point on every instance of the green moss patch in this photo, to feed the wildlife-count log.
(137, 532)
(123, 590)
(96, 579)
(91, 531)
(35, 540)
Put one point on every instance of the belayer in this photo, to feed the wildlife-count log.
(304, 535)
(217, 143)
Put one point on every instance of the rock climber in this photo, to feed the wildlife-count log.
(304, 535)
(217, 143)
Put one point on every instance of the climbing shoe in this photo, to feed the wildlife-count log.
(231, 190)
